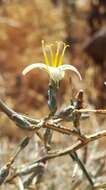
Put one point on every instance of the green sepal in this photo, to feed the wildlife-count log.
(52, 101)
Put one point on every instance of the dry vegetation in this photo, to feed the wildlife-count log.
(23, 24)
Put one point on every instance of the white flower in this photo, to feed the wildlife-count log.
(54, 67)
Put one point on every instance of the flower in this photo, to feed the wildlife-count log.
(53, 66)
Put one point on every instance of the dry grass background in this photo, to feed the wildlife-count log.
(23, 24)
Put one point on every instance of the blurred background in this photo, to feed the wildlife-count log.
(23, 25)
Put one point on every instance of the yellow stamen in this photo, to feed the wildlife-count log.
(45, 54)
(57, 54)
(51, 54)
(62, 54)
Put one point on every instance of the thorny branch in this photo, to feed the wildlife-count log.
(73, 113)
(76, 146)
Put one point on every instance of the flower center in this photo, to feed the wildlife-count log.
(56, 74)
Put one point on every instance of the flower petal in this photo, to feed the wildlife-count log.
(35, 66)
(71, 68)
